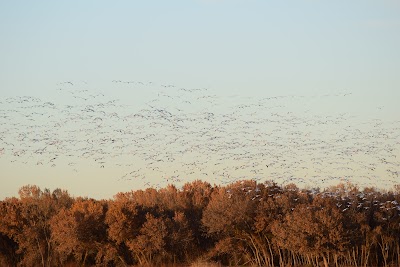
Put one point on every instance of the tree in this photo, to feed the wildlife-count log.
(124, 219)
(197, 195)
(26, 223)
(229, 217)
(150, 245)
(9, 228)
(80, 232)
(180, 239)
(313, 230)
(387, 233)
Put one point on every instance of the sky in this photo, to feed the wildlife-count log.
(347, 51)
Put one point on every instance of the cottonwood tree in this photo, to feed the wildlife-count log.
(79, 232)
(314, 231)
(9, 231)
(150, 245)
(124, 219)
(180, 239)
(274, 203)
(197, 195)
(27, 221)
(387, 233)
(229, 216)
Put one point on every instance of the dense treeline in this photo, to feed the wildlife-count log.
(244, 223)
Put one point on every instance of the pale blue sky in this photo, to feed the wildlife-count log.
(257, 45)
(253, 47)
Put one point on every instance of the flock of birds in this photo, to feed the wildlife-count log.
(182, 134)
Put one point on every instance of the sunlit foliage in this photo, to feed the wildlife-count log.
(244, 223)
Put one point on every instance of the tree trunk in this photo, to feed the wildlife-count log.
(280, 258)
(325, 260)
(84, 258)
(270, 250)
(40, 251)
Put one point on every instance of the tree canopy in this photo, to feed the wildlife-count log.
(243, 223)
